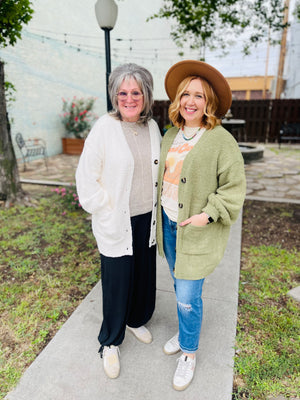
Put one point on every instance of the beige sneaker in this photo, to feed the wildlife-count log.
(111, 361)
(172, 345)
(184, 372)
(141, 333)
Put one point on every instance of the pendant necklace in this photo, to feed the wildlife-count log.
(135, 132)
(130, 128)
(189, 138)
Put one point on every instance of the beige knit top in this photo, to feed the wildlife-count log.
(138, 139)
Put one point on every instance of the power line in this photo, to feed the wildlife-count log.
(132, 39)
(97, 36)
(136, 49)
(151, 54)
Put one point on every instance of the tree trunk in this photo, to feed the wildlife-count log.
(10, 186)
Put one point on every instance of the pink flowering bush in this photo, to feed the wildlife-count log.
(68, 197)
(78, 117)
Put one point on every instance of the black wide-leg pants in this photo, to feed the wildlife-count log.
(128, 285)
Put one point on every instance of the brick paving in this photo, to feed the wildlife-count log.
(274, 178)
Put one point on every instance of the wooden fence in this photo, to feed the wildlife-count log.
(263, 117)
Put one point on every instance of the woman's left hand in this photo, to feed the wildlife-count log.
(197, 220)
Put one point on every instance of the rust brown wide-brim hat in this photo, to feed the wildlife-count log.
(181, 70)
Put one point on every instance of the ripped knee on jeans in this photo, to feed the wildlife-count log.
(184, 307)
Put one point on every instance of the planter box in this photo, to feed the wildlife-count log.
(72, 146)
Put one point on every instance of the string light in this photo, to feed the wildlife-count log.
(142, 54)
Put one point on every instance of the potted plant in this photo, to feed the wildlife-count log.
(77, 118)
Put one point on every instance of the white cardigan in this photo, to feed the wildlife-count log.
(103, 179)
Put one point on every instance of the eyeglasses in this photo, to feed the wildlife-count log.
(135, 95)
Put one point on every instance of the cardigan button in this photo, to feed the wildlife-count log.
(155, 161)
(180, 205)
(153, 222)
(183, 180)
(156, 184)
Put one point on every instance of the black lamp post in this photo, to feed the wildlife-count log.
(106, 14)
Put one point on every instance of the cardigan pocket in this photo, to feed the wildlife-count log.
(104, 224)
(196, 239)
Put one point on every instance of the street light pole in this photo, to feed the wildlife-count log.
(108, 65)
(106, 14)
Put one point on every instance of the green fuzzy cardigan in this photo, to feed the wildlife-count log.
(213, 181)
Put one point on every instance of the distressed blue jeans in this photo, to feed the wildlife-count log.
(188, 293)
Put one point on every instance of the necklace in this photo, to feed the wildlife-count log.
(128, 127)
(189, 138)
(134, 131)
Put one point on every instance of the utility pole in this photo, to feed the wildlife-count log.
(267, 65)
(279, 85)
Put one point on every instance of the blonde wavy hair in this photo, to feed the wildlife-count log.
(209, 120)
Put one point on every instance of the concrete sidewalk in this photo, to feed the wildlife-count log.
(69, 368)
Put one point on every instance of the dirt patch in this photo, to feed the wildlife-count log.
(267, 224)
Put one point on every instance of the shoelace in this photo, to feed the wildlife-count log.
(185, 366)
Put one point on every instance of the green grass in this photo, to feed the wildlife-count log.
(268, 346)
(48, 263)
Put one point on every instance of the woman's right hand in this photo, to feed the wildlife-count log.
(196, 220)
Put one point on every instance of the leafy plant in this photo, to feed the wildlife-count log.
(214, 24)
(13, 14)
(9, 92)
(78, 117)
(297, 10)
(68, 197)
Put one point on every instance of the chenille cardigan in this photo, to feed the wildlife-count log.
(103, 179)
(213, 181)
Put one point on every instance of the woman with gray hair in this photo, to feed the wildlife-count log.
(116, 182)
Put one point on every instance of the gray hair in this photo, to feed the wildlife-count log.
(145, 81)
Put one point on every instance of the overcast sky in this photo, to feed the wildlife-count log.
(135, 40)
(158, 47)
(149, 43)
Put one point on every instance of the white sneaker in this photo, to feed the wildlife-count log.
(141, 333)
(172, 345)
(111, 361)
(184, 372)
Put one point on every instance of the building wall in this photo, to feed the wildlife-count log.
(44, 73)
(251, 87)
(62, 55)
(45, 70)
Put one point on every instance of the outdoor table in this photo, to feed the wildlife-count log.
(236, 127)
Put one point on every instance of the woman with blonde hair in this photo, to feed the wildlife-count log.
(201, 187)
